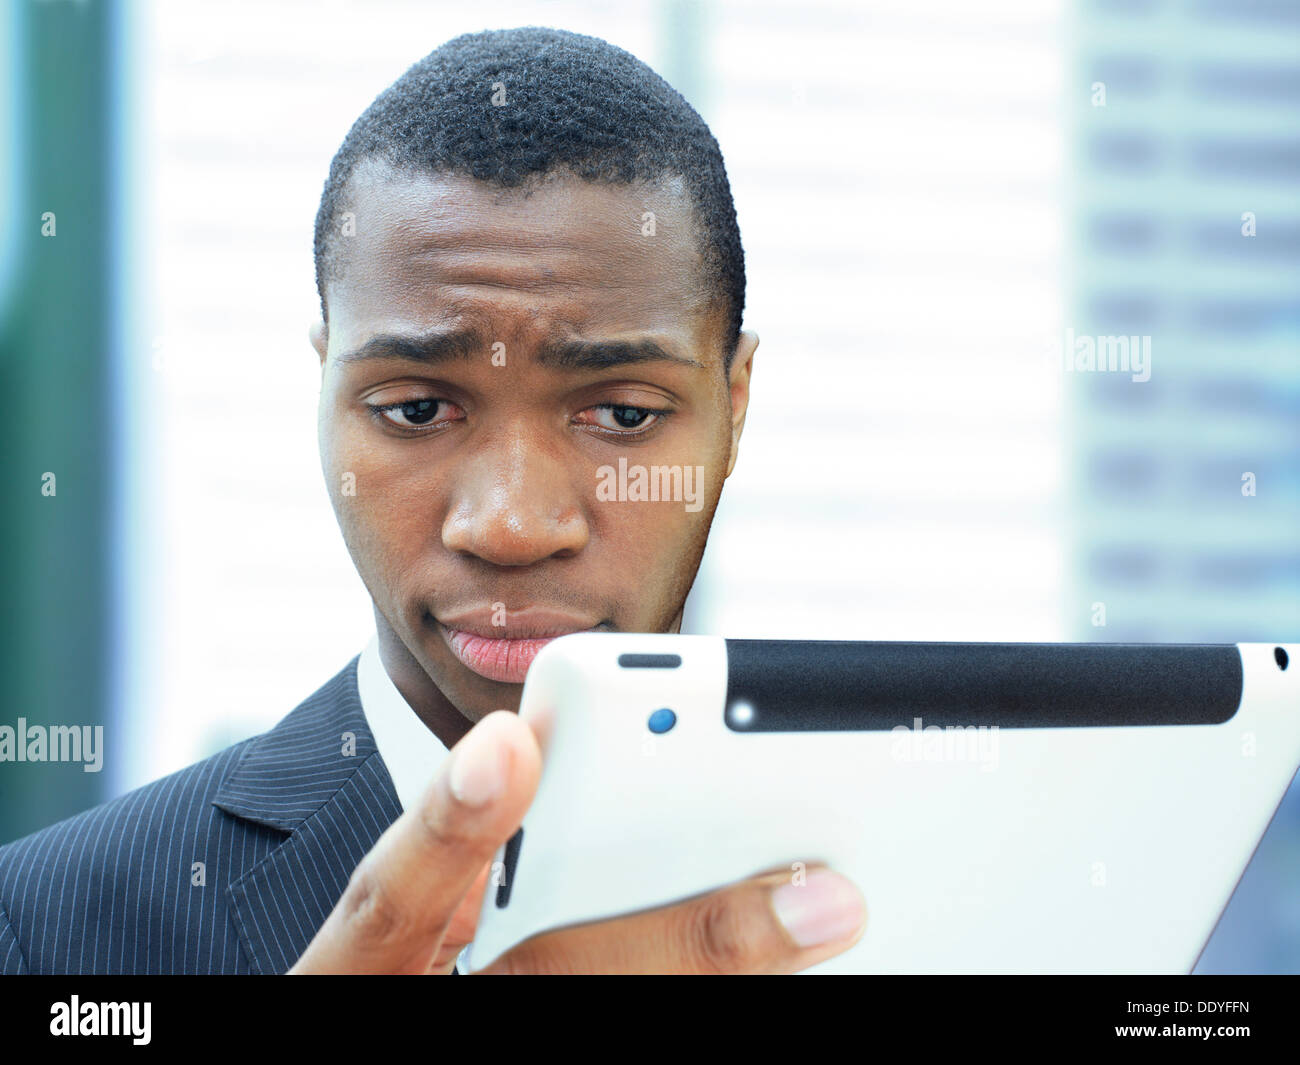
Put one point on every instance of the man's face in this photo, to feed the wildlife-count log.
(522, 345)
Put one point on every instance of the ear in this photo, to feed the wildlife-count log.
(742, 365)
(319, 337)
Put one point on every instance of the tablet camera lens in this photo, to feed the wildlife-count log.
(662, 720)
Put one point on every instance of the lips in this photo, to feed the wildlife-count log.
(504, 652)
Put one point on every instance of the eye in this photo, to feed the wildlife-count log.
(624, 419)
(415, 413)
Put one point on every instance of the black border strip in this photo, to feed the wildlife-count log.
(838, 686)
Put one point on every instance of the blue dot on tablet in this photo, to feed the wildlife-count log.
(662, 720)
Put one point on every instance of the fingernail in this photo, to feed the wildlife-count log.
(824, 907)
(477, 771)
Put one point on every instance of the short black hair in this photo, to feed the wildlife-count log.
(573, 102)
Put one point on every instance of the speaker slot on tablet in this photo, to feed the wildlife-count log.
(639, 661)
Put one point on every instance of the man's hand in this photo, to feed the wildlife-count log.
(412, 903)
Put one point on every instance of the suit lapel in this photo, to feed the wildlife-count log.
(317, 777)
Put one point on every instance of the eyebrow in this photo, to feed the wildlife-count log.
(431, 349)
(603, 354)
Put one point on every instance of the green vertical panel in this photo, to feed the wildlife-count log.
(683, 47)
(55, 376)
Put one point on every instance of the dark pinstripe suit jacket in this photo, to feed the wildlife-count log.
(279, 822)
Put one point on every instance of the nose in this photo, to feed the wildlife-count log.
(515, 504)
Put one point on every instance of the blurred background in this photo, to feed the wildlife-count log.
(934, 197)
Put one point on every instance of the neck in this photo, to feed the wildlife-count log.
(438, 713)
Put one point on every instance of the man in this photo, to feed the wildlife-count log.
(529, 269)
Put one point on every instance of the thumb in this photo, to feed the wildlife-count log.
(402, 899)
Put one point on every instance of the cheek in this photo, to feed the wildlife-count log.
(649, 554)
(381, 506)
(659, 534)
(358, 464)
(649, 539)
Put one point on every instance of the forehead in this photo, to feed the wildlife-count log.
(425, 247)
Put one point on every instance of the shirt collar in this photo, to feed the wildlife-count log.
(406, 744)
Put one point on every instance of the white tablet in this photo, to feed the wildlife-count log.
(1004, 808)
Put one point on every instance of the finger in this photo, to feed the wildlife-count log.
(768, 924)
(402, 896)
(463, 924)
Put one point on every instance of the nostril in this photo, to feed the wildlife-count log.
(1280, 657)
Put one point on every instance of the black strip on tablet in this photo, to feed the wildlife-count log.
(508, 873)
(844, 686)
